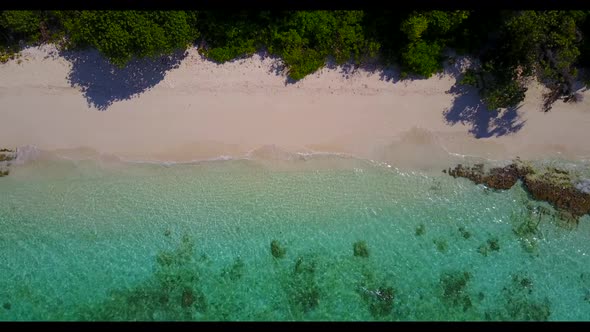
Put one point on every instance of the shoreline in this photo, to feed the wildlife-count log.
(203, 110)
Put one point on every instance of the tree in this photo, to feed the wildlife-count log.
(305, 39)
(543, 44)
(427, 34)
(122, 35)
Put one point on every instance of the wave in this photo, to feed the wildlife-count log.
(27, 154)
(273, 153)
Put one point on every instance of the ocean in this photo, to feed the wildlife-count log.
(317, 238)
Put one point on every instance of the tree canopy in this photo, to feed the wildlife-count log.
(122, 35)
(512, 46)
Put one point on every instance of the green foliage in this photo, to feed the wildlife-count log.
(512, 45)
(532, 43)
(469, 78)
(415, 26)
(21, 22)
(305, 39)
(16, 26)
(122, 35)
(503, 93)
(230, 35)
(443, 22)
(427, 34)
(422, 58)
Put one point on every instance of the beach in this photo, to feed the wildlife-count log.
(78, 103)
(185, 190)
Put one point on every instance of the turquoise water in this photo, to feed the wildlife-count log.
(89, 240)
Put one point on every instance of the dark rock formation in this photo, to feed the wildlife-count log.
(360, 249)
(497, 178)
(557, 189)
(6, 156)
(277, 250)
(554, 185)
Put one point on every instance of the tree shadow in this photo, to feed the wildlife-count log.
(469, 109)
(103, 83)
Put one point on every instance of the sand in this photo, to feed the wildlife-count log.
(77, 104)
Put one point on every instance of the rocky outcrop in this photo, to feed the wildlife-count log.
(6, 157)
(497, 178)
(570, 198)
(557, 189)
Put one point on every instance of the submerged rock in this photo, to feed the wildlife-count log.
(303, 289)
(454, 288)
(7, 156)
(557, 189)
(464, 233)
(360, 249)
(420, 230)
(554, 186)
(277, 250)
(497, 178)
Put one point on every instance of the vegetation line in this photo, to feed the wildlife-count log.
(510, 46)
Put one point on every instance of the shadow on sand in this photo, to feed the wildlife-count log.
(468, 109)
(102, 83)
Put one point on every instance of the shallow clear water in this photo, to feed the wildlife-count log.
(88, 240)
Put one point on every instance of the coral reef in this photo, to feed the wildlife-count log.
(235, 271)
(526, 228)
(454, 288)
(520, 303)
(277, 250)
(464, 233)
(172, 293)
(441, 245)
(360, 249)
(492, 244)
(420, 230)
(303, 291)
(377, 293)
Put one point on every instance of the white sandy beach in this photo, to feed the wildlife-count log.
(203, 110)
